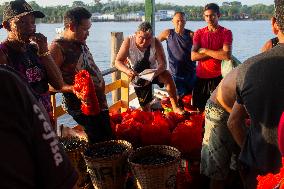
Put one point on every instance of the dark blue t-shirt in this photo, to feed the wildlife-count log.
(179, 53)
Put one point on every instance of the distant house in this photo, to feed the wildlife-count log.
(233, 3)
(132, 16)
(226, 3)
(95, 16)
(165, 14)
(103, 17)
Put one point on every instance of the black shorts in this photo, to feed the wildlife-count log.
(144, 94)
(202, 91)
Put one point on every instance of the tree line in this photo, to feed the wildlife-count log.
(229, 11)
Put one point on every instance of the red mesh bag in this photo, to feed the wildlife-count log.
(157, 132)
(129, 130)
(187, 136)
(174, 119)
(270, 180)
(84, 89)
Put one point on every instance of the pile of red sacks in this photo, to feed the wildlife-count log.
(271, 181)
(85, 90)
(185, 103)
(154, 128)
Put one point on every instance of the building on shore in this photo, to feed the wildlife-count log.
(160, 15)
(165, 14)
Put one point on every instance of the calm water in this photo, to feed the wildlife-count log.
(248, 37)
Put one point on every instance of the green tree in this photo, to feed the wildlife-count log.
(78, 4)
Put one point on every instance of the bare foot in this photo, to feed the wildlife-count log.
(178, 110)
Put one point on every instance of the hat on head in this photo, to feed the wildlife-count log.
(279, 13)
(19, 8)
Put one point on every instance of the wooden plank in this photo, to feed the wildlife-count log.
(113, 86)
(116, 41)
(59, 111)
(132, 96)
(116, 106)
(124, 91)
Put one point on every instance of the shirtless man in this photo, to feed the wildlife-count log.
(218, 145)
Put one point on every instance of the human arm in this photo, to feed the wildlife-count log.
(163, 35)
(121, 59)
(266, 46)
(160, 57)
(195, 54)
(222, 54)
(236, 121)
(56, 54)
(53, 73)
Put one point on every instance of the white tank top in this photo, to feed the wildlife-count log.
(136, 55)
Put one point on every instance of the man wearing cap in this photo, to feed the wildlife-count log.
(27, 52)
(143, 51)
(260, 94)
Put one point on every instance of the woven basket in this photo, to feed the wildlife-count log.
(108, 172)
(158, 176)
(78, 162)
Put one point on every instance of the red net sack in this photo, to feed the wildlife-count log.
(85, 90)
(187, 136)
(271, 181)
(129, 130)
(157, 132)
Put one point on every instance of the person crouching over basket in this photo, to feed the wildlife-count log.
(143, 51)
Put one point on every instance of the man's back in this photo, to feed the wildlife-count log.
(260, 87)
(31, 155)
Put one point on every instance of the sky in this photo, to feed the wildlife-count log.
(178, 2)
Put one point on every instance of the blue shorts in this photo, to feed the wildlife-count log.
(186, 84)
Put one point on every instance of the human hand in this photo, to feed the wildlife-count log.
(131, 74)
(41, 41)
(202, 50)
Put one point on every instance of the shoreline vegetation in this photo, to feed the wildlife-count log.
(128, 11)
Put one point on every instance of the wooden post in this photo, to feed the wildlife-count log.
(150, 13)
(116, 41)
(124, 92)
(54, 113)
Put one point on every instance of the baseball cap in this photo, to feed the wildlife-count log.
(19, 8)
(279, 13)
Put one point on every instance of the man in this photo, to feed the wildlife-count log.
(260, 92)
(219, 150)
(179, 44)
(143, 51)
(31, 155)
(71, 54)
(211, 45)
(27, 52)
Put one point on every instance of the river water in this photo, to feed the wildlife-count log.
(248, 38)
